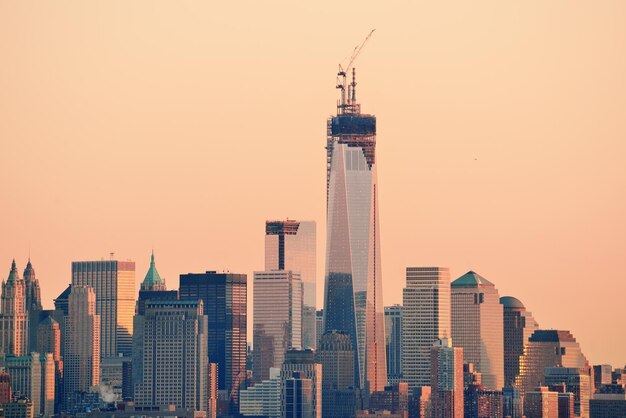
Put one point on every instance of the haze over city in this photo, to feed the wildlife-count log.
(182, 127)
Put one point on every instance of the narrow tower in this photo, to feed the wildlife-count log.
(33, 292)
(353, 301)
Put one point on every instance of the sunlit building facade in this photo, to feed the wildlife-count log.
(114, 285)
(541, 403)
(548, 348)
(477, 326)
(576, 381)
(353, 284)
(291, 245)
(425, 320)
(277, 319)
(446, 380)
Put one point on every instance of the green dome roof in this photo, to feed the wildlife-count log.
(471, 279)
(153, 280)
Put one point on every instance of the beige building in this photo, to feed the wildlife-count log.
(541, 403)
(425, 320)
(13, 315)
(446, 380)
(175, 359)
(477, 326)
(33, 376)
(82, 342)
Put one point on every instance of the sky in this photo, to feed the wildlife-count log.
(182, 126)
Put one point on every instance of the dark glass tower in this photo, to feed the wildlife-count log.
(353, 301)
(225, 304)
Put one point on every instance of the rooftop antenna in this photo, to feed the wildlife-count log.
(112, 254)
(342, 79)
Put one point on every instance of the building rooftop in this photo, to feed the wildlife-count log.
(471, 279)
(511, 302)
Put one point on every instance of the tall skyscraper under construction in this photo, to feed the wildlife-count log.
(353, 301)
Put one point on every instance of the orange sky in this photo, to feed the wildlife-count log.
(184, 125)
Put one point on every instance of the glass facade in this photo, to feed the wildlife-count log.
(393, 342)
(519, 325)
(353, 283)
(277, 319)
(291, 245)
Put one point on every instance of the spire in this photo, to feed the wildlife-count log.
(153, 280)
(14, 274)
(29, 272)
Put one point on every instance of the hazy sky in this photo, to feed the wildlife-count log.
(183, 126)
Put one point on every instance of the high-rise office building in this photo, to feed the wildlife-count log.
(113, 282)
(548, 348)
(224, 296)
(262, 399)
(175, 361)
(477, 326)
(602, 375)
(336, 355)
(419, 403)
(291, 245)
(304, 363)
(446, 380)
(393, 343)
(82, 343)
(512, 405)
(13, 315)
(576, 382)
(152, 288)
(425, 320)
(609, 402)
(277, 319)
(49, 342)
(394, 399)
(541, 403)
(5, 387)
(353, 299)
(519, 325)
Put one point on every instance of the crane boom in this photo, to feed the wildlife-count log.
(350, 106)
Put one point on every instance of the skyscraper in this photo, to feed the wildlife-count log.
(446, 380)
(175, 361)
(548, 348)
(541, 403)
(13, 315)
(114, 285)
(298, 399)
(353, 299)
(576, 381)
(393, 343)
(477, 326)
(33, 293)
(33, 376)
(336, 355)
(425, 320)
(304, 363)
(291, 245)
(82, 345)
(519, 325)
(224, 296)
(277, 319)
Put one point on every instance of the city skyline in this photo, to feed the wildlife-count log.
(527, 200)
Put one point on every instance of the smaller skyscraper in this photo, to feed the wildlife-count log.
(425, 320)
(13, 315)
(541, 403)
(419, 403)
(33, 292)
(477, 326)
(480, 402)
(393, 342)
(336, 355)
(262, 399)
(319, 326)
(302, 362)
(175, 361)
(82, 346)
(519, 325)
(512, 405)
(298, 399)
(446, 376)
(602, 375)
(576, 381)
(277, 319)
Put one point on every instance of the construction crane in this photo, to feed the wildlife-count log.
(342, 83)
